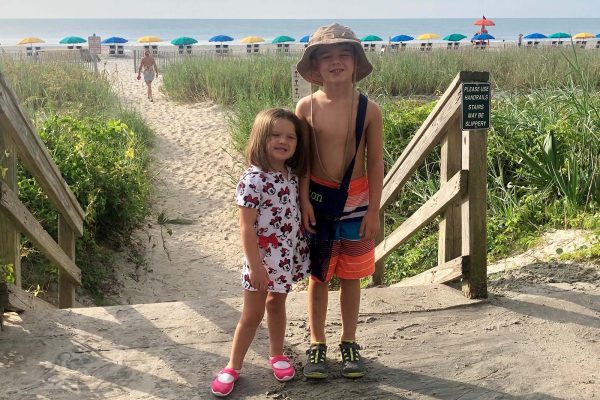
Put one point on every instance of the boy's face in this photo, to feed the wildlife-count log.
(335, 63)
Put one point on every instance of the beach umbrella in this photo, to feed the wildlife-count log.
(220, 38)
(252, 39)
(183, 41)
(455, 37)
(584, 35)
(149, 39)
(283, 39)
(114, 40)
(304, 39)
(484, 22)
(428, 36)
(401, 38)
(483, 36)
(535, 36)
(598, 36)
(72, 40)
(30, 40)
(560, 35)
(371, 38)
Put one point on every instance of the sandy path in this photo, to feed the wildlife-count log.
(192, 179)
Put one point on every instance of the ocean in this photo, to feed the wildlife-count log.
(52, 30)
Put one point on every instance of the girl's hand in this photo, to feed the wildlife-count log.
(308, 217)
(259, 278)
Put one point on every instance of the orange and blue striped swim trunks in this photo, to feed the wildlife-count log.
(351, 256)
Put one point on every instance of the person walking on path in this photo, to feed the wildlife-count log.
(149, 70)
(273, 239)
(341, 192)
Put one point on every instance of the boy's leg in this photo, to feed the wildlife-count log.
(252, 314)
(276, 322)
(318, 295)
(350, 305)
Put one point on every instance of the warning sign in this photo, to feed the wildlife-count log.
(476, 100)
(94, 44)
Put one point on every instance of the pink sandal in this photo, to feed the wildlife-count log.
(222, 385)
(282, 368)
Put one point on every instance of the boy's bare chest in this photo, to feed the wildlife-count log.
(332, 128)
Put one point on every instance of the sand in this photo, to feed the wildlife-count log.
(194, 173)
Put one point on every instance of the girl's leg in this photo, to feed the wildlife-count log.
(276, 321)
(317, 309)
(349, 304)
(252, 314)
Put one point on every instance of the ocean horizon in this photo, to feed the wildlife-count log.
(52, 30)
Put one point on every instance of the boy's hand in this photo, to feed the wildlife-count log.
(308, 217)
(369, 228)
(259, 278)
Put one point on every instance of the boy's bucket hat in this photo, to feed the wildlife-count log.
(328, 35)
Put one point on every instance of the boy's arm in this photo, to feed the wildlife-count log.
(259, 277)
(370, 226)
(308, 216)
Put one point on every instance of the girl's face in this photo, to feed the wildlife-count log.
(281, 144)
(335, 63)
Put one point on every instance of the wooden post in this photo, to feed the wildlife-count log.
(449, 243)
(9, 236)
(66, 286)
(377, 278)
(473, 210)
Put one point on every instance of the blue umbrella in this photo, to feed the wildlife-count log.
(598, 36)
(304, 39)
(401, 38)
(114, 40)
(535, 36)
(483, 36)
(220, 38)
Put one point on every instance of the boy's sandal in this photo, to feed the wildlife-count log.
(282, 367)
(223, 384)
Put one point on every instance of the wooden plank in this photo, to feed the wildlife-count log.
(66, 286)
(9, 235)
(443, 273)
(377, 277)
(26, 223)
(439, 202)
(474, 213)
(36, 159)
(449, 243)
(15, 299)
(449, 93)
(427, 141)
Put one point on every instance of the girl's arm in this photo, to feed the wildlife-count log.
(259, 277)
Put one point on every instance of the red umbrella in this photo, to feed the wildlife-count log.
(484, 22)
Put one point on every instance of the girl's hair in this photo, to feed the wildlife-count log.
(262, 128)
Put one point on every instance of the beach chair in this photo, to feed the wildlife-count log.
(456, 45)
(120, 50)
(154, 50)
(402, 46)
(429, 46)
(423, 46)
(449, 46)
(578, 43)
(180, 49)
(554, 43)
(112, 50)
(583, 44)
(29, 51)
(598, 44)
(536, 44)
(529, 43)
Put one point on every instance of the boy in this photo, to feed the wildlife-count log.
(335, 60)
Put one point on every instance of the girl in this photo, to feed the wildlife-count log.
(275, 249)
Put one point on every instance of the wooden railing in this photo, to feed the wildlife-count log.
(461, 199)
(19, 139)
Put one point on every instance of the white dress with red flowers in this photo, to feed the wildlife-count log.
(281, 241)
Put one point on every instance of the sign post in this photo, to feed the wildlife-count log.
(476, 100)
(300, 86)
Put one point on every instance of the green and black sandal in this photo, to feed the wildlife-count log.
(315, 367)
(352, 363)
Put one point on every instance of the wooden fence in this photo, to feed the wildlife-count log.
(76, 56)
(461, 199)
(19, 139)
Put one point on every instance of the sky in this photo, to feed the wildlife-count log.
(299, 9)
